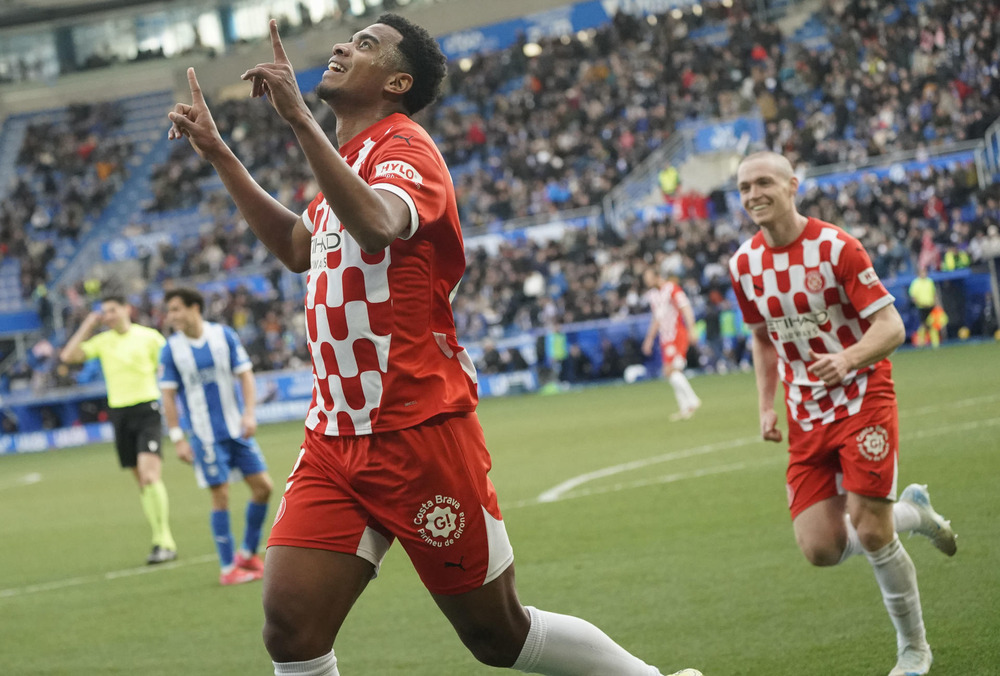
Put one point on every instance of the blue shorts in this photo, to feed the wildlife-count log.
(213, 463)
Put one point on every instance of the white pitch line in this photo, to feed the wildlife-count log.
(102, 577)
(26, 480)
(558, 491)
(553, 495)
(562, 490)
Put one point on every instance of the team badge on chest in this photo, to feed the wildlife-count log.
(814, 281)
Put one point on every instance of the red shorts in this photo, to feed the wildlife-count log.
(675, 352)
(857, 454)
(425, 485)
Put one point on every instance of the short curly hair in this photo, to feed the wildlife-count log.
(421, 58)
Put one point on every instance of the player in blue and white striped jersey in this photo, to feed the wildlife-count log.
(200, 365)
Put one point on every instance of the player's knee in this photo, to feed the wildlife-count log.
(261, 492)
(874, 539)
(490, 646)
(821, 554)
(286, 642)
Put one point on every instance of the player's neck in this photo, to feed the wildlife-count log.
(351, 124)
(196, 330)
(784, 232)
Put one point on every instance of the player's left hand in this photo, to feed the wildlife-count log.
(276, 80)
(831, 368)
(249, 424)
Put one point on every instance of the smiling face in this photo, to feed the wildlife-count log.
(767, 188)
(362, 68)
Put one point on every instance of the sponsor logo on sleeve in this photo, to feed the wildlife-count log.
(868, 277)
(398, 169)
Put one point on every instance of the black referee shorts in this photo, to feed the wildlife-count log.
(138, 429)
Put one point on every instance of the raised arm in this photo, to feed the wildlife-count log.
(72, 353)
(277, 227)
(373, 217)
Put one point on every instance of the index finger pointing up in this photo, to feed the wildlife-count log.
(196, 95)
(279, 50)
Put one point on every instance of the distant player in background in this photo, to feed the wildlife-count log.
(129, 355)
(393, 448)
(673, 319)
(923, 293)
(202, 363)
(823, 323)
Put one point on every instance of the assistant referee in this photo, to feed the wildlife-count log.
(130, 356)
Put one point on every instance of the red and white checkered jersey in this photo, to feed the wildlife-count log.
(666, 302)
(817, 294)
(380, 327)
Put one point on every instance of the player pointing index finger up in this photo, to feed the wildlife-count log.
(393, 449)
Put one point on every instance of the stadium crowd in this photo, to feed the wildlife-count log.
(533, 136)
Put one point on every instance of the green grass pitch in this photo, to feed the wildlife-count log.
(674, 538)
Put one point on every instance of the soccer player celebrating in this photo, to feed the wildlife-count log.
(201, 363)
(823, 322)
(129, 354)
(393, 448)
(673, 319)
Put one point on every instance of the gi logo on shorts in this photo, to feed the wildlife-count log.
(873, 442)
(440, 521)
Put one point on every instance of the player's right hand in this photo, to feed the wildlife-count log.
(195, 121)
(768, 426)
(184, 452)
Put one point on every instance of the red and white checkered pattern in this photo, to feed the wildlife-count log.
(380, 328)
(815, 293)
(666, 302)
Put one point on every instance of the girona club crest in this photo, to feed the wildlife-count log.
(440, 521)
(814, 281)
(873, 442)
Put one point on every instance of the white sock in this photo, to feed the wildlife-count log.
(897, 578)
(853, 546)
(560, 645)
(325, 665)
(686, 399)
(905, 517)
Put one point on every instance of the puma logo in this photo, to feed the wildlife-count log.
(405, 138)
(449, 564)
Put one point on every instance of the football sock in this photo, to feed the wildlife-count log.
(161, 510)
(560, 645)
(255, 519)
(897, 578)
(223, 537)
(146, 500)
(321, 666)
(905, 517)
(853, 545)
(686, 398)
(155, 506)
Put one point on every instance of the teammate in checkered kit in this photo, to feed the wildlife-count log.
(824, 324)
(393, 448)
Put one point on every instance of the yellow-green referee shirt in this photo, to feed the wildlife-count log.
(129, 361)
